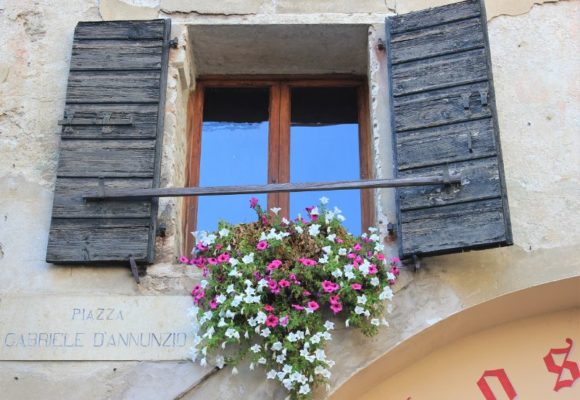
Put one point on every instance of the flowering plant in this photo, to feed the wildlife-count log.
(270, 287)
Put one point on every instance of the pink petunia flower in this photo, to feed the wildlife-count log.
(307, 262)
(272, 284)
(272, 321)
(380, 256)
(312, 305)
(201, 247)
(213, 304)
(334, 299)
(351, 256)
(395, 271)
(297, 307)
(183, 260)
(336, 308)
(262, 245)
(292, 277)
(284, 320)
(329, 286)
(357, 247)
(212, 260)
(275, 264)
(373, 269)
(395, 260)
(339, 240)
(356, 286)
(268, 308)
(224, 257)
(196, 289)
(283, 283)
(306, 293)
(253, 202)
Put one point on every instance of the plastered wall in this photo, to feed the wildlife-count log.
(534, 48)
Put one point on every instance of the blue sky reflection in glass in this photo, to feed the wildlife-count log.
(326, 153)
(232, 153)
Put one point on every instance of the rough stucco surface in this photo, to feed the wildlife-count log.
(535, 59)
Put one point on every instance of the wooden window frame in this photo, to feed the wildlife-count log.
(278, 137)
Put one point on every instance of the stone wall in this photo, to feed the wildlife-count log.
(534, 48)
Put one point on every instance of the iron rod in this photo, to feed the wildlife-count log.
(272, 188)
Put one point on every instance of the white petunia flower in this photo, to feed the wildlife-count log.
(304, 389)
(324, 200)
(329, 325)
(387, 293)
(220, 299)
(256, 348)
(203, 362)
(275, 210)
(337, 273)
(230, 288)
(375, 281)
(265, 332)
(372, 229)
(331, 237)
(285, 221)
(359, 310)
(271, 374)
(224, 232)
(219, 362)
(299, 229)
(277, 346)
(390, 276)
(375, 321)
(341, 218)
(361, 299)
(280, 359)
(203, 284)
(233, 262)
(374, 237)
(234, 371)
(262, 360)
(248, 258)
(342, 252)
(314, 230)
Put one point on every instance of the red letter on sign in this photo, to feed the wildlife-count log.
(503, 379)
(558, 369)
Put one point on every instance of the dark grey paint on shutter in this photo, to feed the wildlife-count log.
(114, 106)
(443, 116)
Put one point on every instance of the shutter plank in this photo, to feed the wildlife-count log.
(440, 107)
(107, 158)
(459, 226)
(120, 30)
(437, 41)
(115, 54)
(440, 72)
(113, 87)
(88, 240)
(68, 201)
(112, 129)
(448, 143)
(144, 125)
(480, 180)
(443, 116)
(435, 16)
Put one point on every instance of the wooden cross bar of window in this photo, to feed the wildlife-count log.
(128, 194)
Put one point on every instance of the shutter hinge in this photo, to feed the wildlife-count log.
(381, 45)
(173, 43)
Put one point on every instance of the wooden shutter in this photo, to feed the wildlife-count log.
(443, 116)
(111, 138)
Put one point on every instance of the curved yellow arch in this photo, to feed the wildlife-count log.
(481, 337)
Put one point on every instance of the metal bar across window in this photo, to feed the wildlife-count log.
(120, 194)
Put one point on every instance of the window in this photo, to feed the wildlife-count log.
(263, 131)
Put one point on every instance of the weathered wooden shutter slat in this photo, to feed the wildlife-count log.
(143, 123)
(111, 139)
(68, 202)
(437, 41)
(439, 72)
(443, 119)
(447, 143)
(113, 87)
(116, 54)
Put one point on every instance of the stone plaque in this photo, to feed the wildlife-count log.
(95, 328)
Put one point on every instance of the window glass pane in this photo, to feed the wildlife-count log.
(324, 147)
(234, 151)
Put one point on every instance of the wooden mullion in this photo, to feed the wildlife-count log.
(195, 121)
(284, 148)
(273, 142)
(365, 158)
